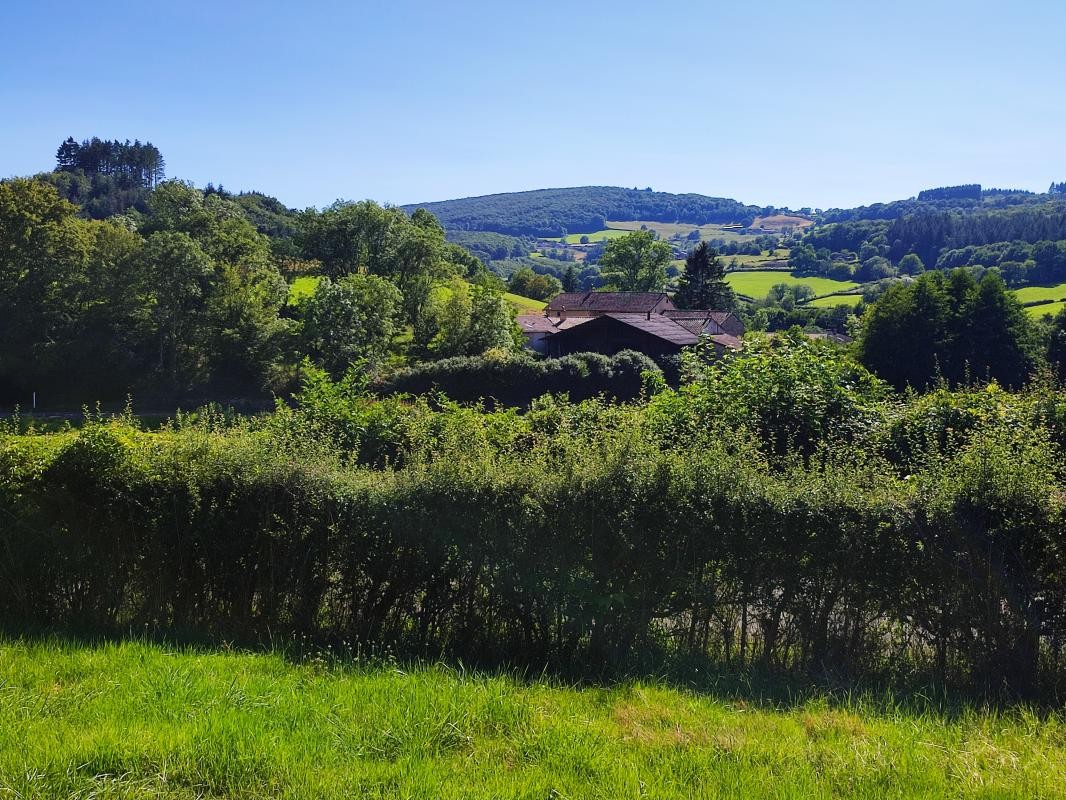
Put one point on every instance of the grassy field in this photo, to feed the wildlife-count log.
(302, 287)
(757, 284)
(1047, 308)
(524, 304)
(835, 300)
(668, 229)
(135, 720)
(780, 222)
(1030, 294)
(598, 236)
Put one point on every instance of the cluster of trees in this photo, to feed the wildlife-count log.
(949, 327)
(971, 191)
(782, 510)
(556, 212)
(136, 164)
(1019, 262)
(189, 297)
(527, 283)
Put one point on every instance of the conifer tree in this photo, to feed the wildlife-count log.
(703, 284)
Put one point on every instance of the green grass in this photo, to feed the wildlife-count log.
(524, 304)
(835, 300)
(598, 236)
(1030, 294)
(134, 720)
(757, 284)
(669, 229)
(1047, 308)
(302, 287)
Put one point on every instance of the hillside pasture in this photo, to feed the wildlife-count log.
(782, 222)
(832, 301)
(1031, 294)
(668, 229)
(524, 305)
(599, 236)
(144, 720)
(757, 283)
(1037, 312)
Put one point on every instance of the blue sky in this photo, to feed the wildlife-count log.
(819, 103)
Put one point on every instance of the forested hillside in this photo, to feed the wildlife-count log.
(584, 209)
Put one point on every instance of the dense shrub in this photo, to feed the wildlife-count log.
(516, 379)
(575, 534)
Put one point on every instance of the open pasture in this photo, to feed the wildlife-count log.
(757, 283)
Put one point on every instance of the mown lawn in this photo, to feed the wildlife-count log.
(835, 300)
(757, 283)
(136, 720)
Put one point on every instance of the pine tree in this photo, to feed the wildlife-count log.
(703, 284)
(67, 155)
(570, 280)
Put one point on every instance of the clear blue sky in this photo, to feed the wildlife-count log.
(819, 103)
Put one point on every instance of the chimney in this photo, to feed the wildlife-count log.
(649, 315)
(562, 313)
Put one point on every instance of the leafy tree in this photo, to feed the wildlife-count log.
(352, 319)
(910, 264)
(636, 262)
(181, 274)
(703, 283)
(948, 328)
(1057, 345)
(527, 283)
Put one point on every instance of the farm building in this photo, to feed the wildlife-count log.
(608, 322)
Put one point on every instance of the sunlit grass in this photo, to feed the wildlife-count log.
(757, 284)
(1045, 308)
(137, 720)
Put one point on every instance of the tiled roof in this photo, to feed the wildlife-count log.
(538, 323)
(660, 326)
(608, 302)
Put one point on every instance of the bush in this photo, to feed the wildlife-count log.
(516, 379)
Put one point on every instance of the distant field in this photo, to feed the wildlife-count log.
(137, 721)
(779, 222)
(835, 300)
(757, 284)
(1047, 308)
(668, 229)
(598, 236)
(1030, 294)
(302, 287)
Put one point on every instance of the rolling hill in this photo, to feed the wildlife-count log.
(582, 209)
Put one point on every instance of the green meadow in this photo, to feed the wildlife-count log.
(1046, 308)
(757, 283)
(524, 305)
(1030, 294)
(135, 720)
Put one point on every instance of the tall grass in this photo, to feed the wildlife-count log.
(138, 720)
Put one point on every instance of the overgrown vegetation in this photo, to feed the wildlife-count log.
(783, 509)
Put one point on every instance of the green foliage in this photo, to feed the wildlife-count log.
(556, 212)
(949, 328)
(354, 319)
(134, 718)
(636, 262)
(517, 379)
(527, 283)
(703, 283)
